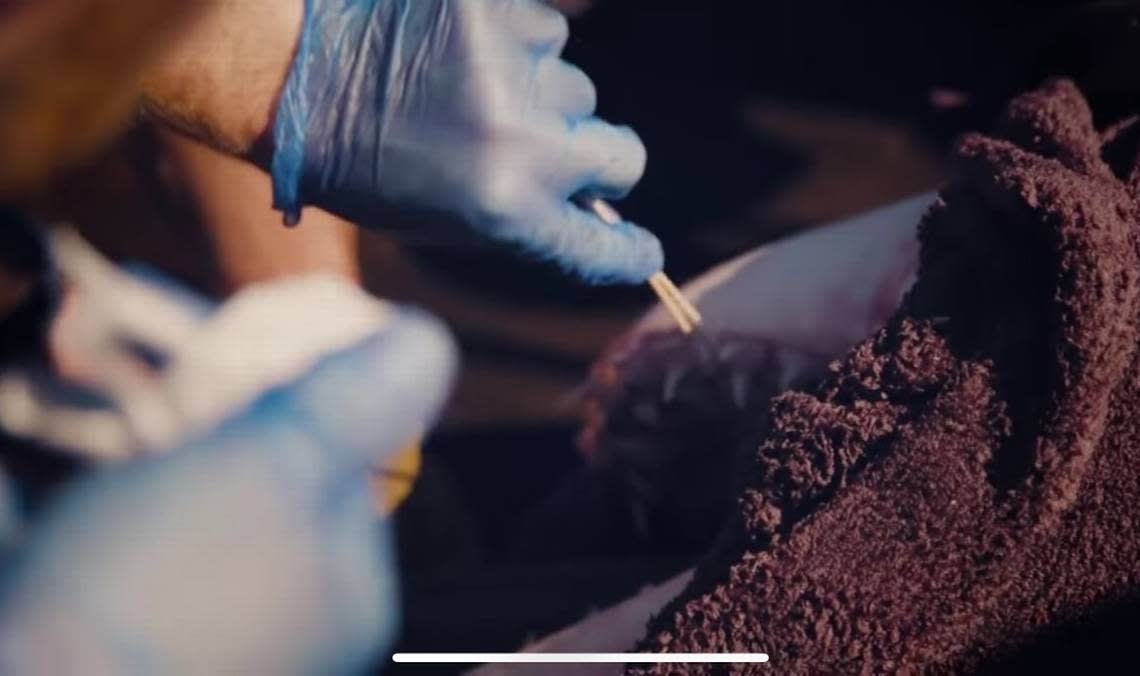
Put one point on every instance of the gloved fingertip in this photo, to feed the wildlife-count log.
(612, 158)
(632, 135)
(621, 253)
(378, 396)
(643, 257)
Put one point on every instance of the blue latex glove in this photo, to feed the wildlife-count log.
(462, 108)
(253, 549)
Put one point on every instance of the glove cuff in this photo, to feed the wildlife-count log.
(316, 104)
(290, 124)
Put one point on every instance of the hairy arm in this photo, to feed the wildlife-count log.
(219, 82)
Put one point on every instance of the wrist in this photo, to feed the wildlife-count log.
(220, 82)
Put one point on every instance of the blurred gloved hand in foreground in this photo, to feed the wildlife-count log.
(251, 545)
(463, 109)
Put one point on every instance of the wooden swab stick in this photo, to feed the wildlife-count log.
(679, 316)
(679, 299)
(678, 307)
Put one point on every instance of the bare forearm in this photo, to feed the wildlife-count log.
(220, 82)
(247, 238)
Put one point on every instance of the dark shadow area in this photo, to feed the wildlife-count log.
(1101, 642)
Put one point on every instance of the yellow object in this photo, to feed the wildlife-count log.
(392, 481)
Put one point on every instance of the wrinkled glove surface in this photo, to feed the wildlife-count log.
(461, 109)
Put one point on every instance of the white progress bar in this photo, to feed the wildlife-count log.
(580, 658)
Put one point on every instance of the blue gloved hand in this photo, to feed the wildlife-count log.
(462, 108)
(251, 548)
